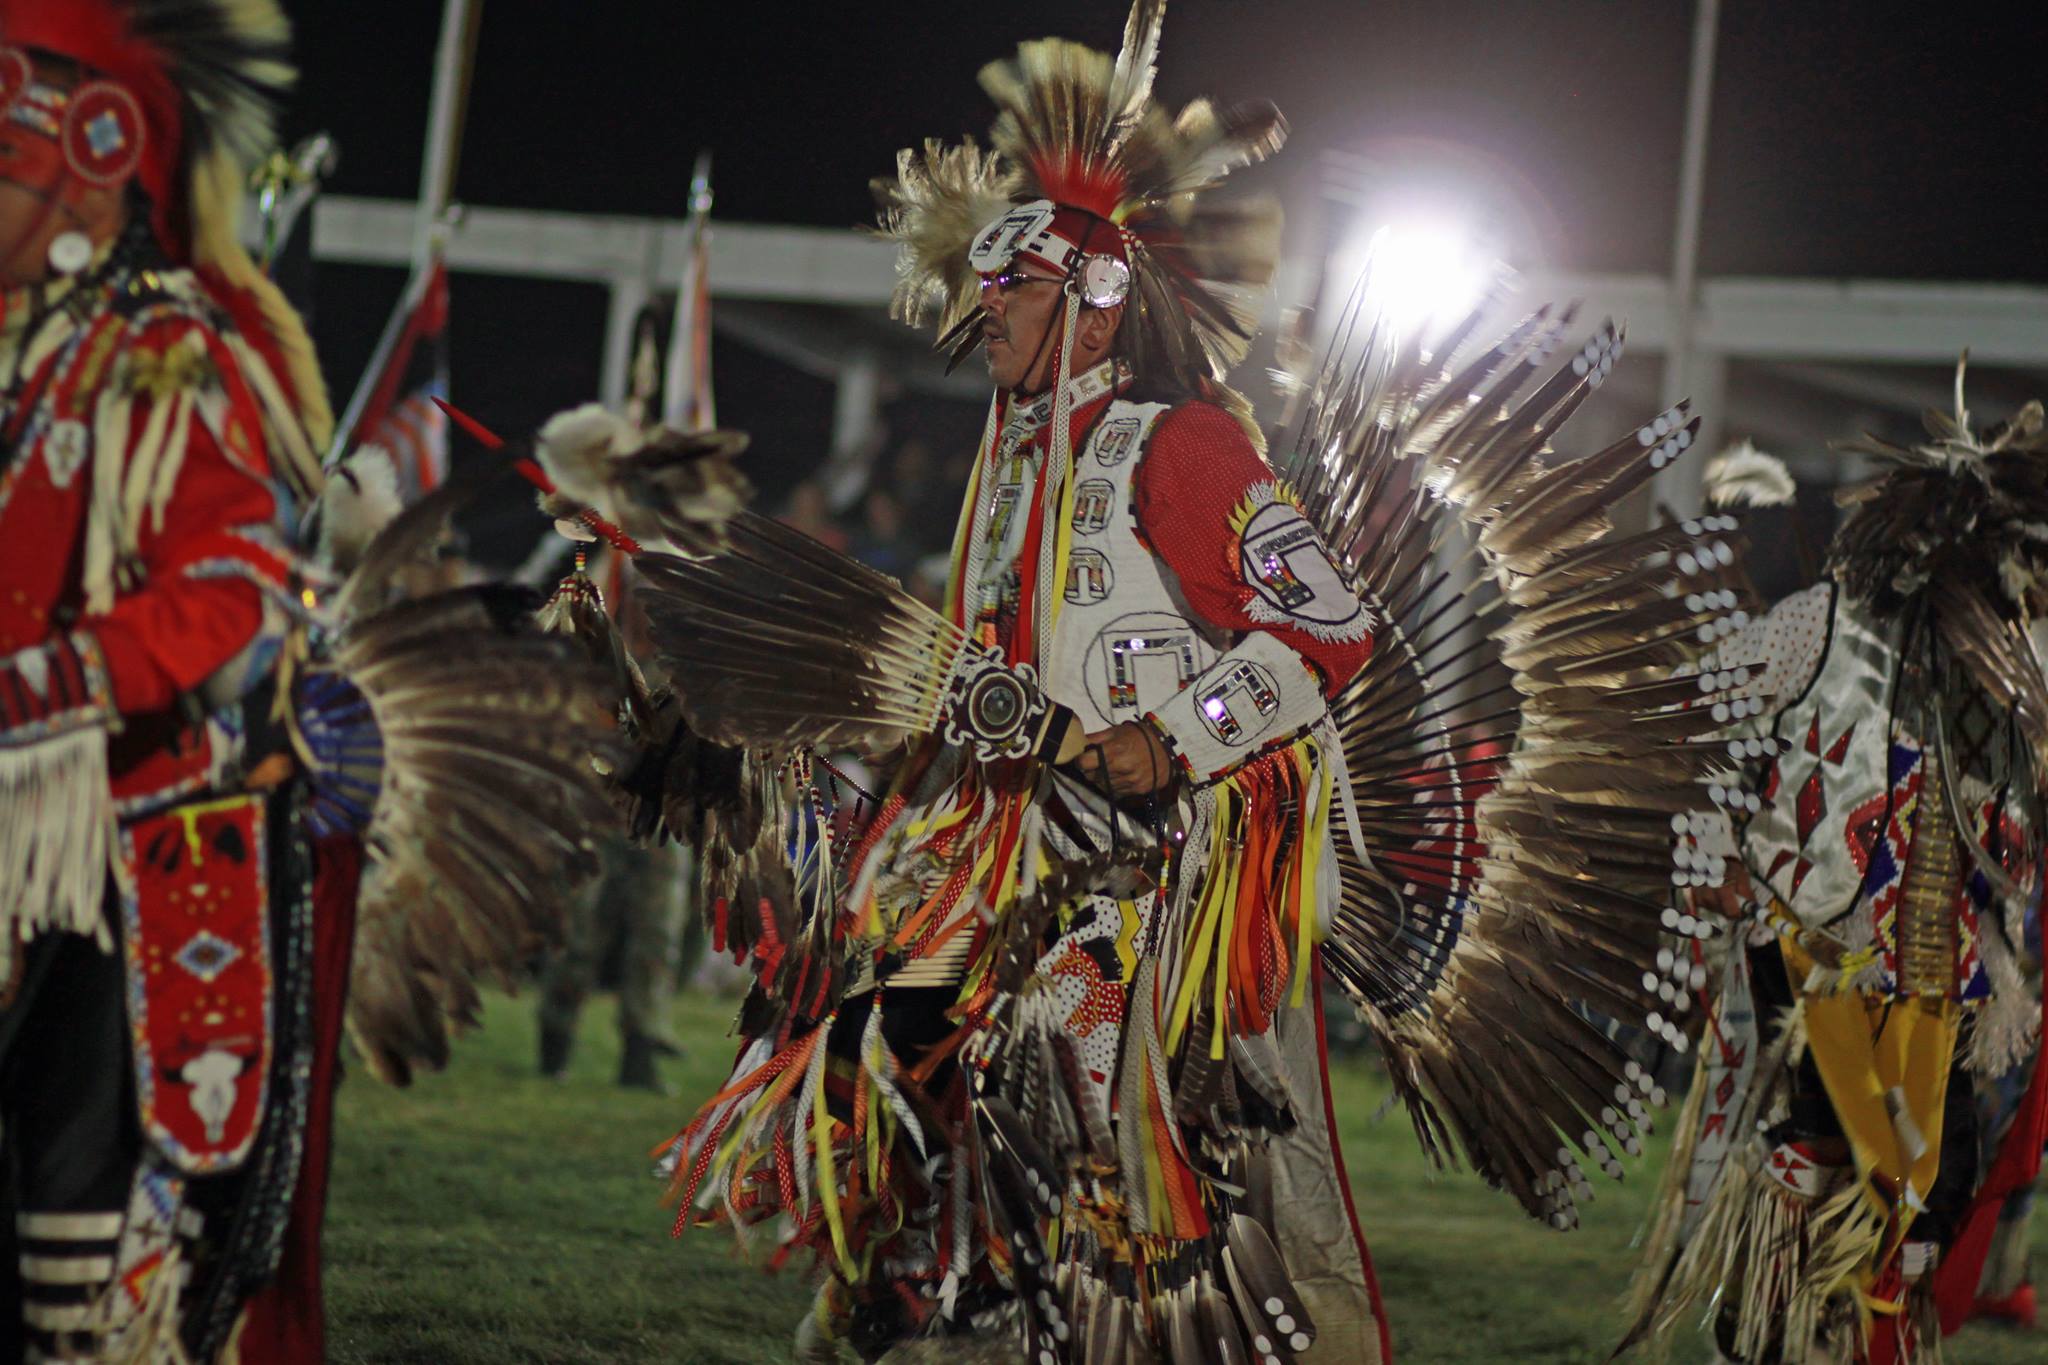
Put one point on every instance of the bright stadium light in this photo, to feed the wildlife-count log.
(1424, 275)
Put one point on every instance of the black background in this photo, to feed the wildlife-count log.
(1870, 140)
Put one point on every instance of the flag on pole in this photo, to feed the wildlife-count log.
(400, 414)
(687, 388)
(403, 374)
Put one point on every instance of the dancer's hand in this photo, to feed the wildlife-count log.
(1134, 755)
(1728, 899)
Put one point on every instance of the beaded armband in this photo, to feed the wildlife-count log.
(52, 689)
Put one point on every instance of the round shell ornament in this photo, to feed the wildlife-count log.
(15, 74)
(1105, 281)
(103, 133)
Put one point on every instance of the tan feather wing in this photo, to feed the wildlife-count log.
(1523, 744)
(488, 795)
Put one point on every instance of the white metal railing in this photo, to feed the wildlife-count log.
(1810, 321)
(1795, 319)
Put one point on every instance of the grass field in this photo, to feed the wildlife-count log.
(486, 1215)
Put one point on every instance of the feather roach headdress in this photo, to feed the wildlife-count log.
(1089, 176)
(194, 86)
(1954, 537)
(1960, 508)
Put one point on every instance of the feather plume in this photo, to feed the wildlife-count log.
(940, 197)
(656, 485)
(1137, 61)
(361, 498)
(230, 61)
(1743, 476)
(1055, 124)
(1960, 508)
(578, 447)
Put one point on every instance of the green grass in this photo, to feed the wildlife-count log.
(486, 1215)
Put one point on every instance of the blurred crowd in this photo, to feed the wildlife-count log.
(900, 523)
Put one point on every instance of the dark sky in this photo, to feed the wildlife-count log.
(1848, 139)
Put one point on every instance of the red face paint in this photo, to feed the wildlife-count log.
(57, 143)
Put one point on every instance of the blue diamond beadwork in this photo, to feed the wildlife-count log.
(207, 955)
(104, 135)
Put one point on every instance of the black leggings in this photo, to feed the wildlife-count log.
(68, 1138)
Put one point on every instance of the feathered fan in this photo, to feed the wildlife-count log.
(781, 647)
(1523, 745)
(880, 667)
(723, 792)
(465, 738)
(727, 628)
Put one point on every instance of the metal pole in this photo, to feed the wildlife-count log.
(856, 425)
(437, 176)
(1679, 485)
(629, 295)
(679, 386)
(444, 126)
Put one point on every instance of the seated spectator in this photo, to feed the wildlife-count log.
(929, 505)
(881, 543)
(808, 512)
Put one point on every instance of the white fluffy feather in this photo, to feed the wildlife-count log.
(576, 447)
(360, 499)
(1743, 476)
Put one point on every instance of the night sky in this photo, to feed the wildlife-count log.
(1847, 139)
